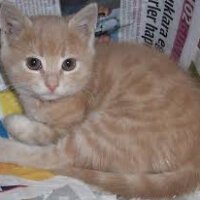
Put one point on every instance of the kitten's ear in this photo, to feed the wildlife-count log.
(12, 21)
(84, 22)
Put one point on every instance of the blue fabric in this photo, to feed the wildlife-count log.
(3, 132)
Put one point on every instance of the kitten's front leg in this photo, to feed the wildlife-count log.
(41, 157)
(28, 131)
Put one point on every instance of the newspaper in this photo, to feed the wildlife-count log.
(39, 7)
(56, 188)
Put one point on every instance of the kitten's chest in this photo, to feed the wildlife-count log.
(34, 110)
(63, 113)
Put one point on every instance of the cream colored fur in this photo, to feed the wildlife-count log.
(126, 118)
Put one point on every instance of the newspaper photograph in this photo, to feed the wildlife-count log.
(108, 23)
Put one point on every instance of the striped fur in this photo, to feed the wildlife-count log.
(132, 127)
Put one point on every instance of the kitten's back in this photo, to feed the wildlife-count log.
(144, 118)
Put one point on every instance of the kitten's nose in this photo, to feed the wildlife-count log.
(52, 87)
(52, 83)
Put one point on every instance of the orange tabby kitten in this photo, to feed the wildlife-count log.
(119, 116)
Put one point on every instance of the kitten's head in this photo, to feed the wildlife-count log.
(49, 57)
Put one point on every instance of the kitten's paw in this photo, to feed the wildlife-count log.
(15, 123)
(31, 132)
(17, 126)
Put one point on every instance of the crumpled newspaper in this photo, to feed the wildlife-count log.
(56, 188)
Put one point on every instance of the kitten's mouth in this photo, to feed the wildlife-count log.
(41, 96)
(49, 97)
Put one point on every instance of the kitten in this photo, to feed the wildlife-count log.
(120, 116)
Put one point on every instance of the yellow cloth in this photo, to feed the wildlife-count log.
(24, 172)
(9, 103)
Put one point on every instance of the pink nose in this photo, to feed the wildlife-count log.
(52, 87)
(51, 82)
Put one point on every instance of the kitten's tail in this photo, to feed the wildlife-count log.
(162, 185)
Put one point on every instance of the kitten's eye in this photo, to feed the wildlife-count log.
(33, 63)
(69, 64)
